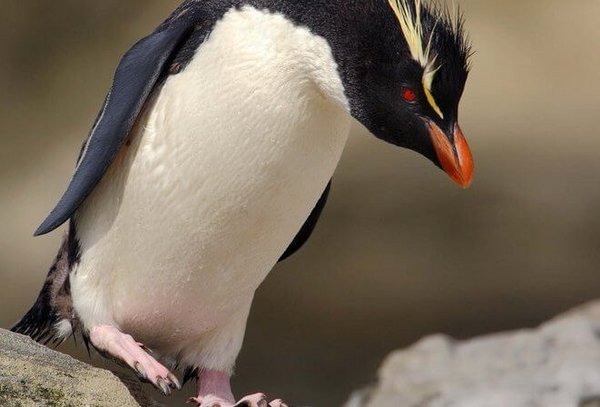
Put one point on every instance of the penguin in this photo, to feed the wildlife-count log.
(211, 160)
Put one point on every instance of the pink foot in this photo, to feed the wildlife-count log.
(109, 340)
(214, 390)
(254, 400)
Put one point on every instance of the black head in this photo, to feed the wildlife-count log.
(407, 89)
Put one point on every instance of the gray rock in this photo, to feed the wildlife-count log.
(34, 375)
(555, 365)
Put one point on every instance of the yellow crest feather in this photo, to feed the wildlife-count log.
(412, 28)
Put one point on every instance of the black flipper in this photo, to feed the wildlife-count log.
(308, 226)
(140, 70)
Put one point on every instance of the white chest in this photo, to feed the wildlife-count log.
(224, 167)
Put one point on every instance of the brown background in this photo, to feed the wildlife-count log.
(400, 252)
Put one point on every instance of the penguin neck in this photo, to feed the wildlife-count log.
(292, 49)
(355, 33)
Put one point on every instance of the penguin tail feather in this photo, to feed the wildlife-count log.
(50, 319)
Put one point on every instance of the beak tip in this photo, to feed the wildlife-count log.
(466, 185)
(465, 172)
(463, 179)
(456, 160)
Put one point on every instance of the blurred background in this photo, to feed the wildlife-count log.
(400, 251)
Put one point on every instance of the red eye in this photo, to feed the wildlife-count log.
(409, 95)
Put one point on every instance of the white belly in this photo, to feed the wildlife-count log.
(224, 167)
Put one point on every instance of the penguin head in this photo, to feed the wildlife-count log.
(410, 83)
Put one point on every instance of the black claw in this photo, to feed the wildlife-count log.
(146, 349)
(140, 371)
(263, 403)
(173, 382)
(162, 384)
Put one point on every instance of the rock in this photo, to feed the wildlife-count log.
(34, 375)
(555, 365)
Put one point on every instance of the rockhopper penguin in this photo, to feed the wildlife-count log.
(211, 160)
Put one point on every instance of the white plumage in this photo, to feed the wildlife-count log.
(223, 168)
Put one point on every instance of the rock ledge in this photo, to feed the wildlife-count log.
(34, 375)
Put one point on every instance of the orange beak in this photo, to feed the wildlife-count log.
(455, 159)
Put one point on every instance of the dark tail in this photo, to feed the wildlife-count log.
(39, 321)
(53, 303)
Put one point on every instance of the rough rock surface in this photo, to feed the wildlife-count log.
(33, 375)
(556, 365)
